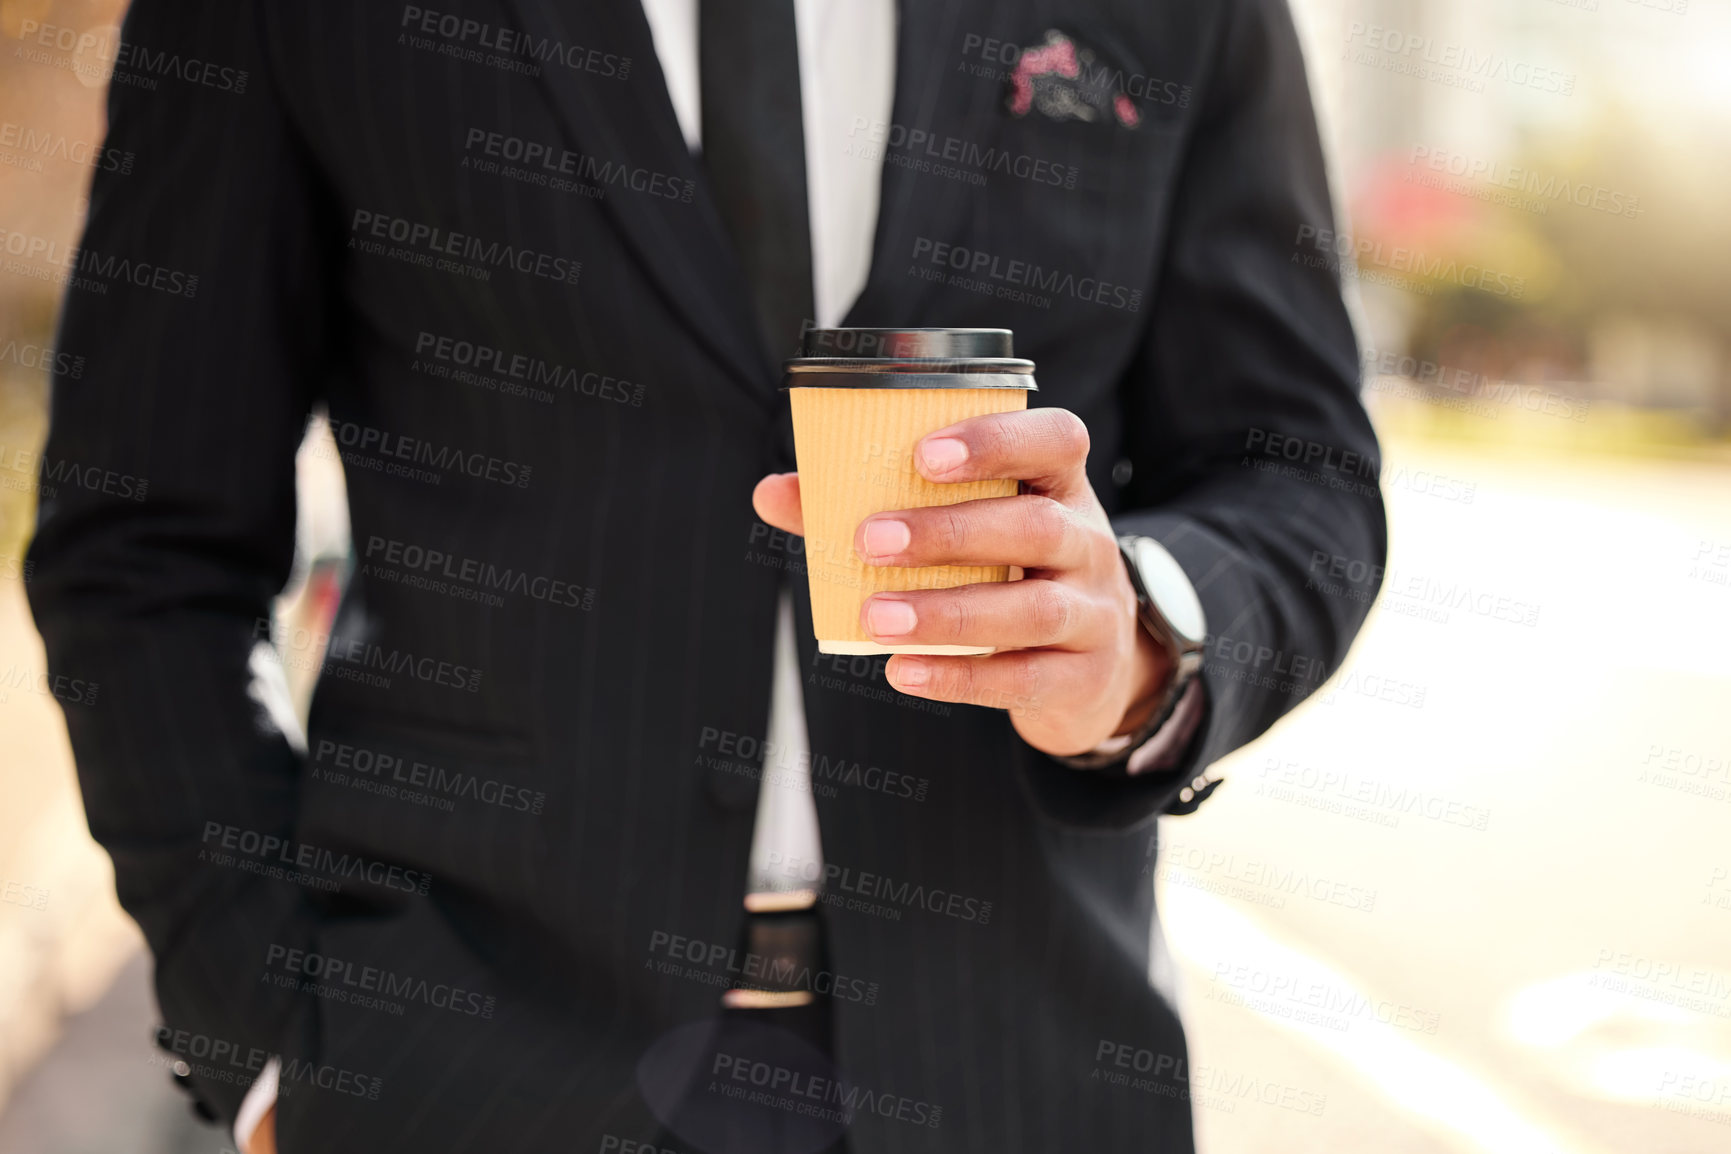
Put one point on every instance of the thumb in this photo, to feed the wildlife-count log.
(776, 500)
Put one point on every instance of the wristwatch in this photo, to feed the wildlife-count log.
(1168, 608)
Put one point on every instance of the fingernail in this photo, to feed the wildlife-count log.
(889, 618)
(911, 673)
(886, 538)
(943, 454)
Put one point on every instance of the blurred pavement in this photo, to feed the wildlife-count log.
(1573, 956)
(104, 1088)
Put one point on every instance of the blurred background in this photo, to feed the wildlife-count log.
(1473, 896)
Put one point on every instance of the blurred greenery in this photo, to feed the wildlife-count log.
(1631, 306)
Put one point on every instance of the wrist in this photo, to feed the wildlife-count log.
(1153, 673)
(1170, 630)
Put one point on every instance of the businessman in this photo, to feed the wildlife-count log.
(572, 773)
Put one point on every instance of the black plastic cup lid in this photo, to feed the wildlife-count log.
(908, 359)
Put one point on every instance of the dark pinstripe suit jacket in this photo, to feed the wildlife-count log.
(512, 855)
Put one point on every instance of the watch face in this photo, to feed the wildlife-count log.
(1170, 590)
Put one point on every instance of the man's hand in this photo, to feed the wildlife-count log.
(1079, 668)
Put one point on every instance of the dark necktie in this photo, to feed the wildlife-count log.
(754, 150)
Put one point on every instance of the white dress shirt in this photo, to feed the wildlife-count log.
(847, 54)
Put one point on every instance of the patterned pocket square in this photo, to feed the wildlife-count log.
(1061, 80)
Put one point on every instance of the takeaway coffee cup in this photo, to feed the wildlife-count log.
(862, 399)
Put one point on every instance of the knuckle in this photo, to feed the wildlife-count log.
(955, 679)
(1000, 438)
(1068, 434)
(1103, 553)
(954, 616)
(950, 530)
(1046, 525)
(1024, 682)
(1051, 612)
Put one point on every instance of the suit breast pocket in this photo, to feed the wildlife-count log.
(1106, 219)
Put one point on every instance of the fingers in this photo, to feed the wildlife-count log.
(1047, 448)
(1010, 615)
(776, 500)
(1018, 681)
(1033, 532)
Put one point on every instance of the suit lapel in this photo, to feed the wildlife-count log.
(683, 247)
(913, 203)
